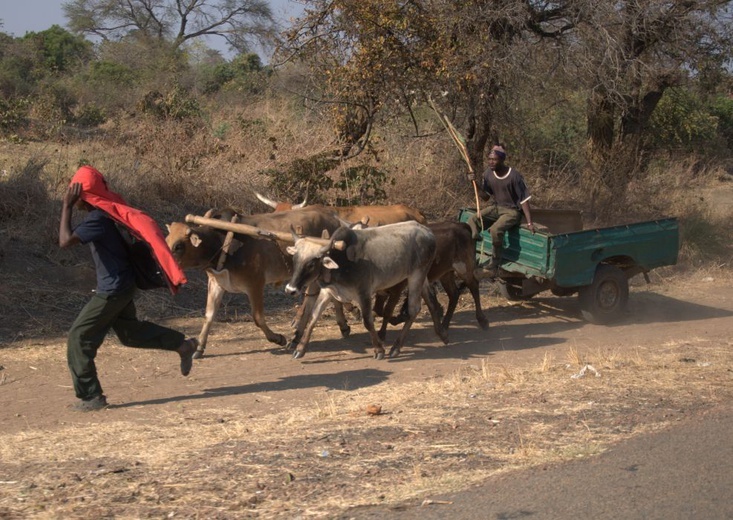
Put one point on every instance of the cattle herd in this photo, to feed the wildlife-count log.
(358, 255)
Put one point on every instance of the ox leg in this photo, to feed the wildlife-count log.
(418, 288)
(448, 282)
(305, 310)
(415, 284)
(256, 295)
(393, 298)
(320, 303)
(214, 295)
(402, 316)
(436, 311)
(343, 324)
(472, 284)
(365, 304)
(466, 272)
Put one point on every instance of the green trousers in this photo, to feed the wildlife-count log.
(500, 219)
(102, 313)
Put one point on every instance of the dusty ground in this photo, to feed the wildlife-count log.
(252, 433)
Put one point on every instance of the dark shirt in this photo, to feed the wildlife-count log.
(509, 191)
(114, 272)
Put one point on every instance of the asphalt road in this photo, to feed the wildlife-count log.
(682, 473)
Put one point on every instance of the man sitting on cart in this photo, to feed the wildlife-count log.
(510, 195)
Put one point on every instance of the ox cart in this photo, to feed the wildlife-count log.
(565, 259)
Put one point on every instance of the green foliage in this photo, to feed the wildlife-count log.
(243, 74)
(310, 172)
(681, 121)
(109, 73)
(176, 104)
(252, 127)
(362, 185)
(722, 108)
(16, 68)
(704, 239)
(13, 113)
(58, 50)
(552, 139)
(221, 131)
(90, 115)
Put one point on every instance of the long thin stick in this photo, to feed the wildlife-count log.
(460, 142)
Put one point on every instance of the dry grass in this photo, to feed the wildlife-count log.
(316, 460)
(321, 458)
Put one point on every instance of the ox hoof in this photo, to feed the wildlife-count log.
(198, 354)
(379, 355)
(345, 332)
(298, 354)
(394, 352)
(484, 324)
(281, 340)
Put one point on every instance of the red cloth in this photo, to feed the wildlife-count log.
(141, 225)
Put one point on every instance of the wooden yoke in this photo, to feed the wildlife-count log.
(227, 244)
(245, 229)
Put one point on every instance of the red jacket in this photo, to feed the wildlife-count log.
(141, 225)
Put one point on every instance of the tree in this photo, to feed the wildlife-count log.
(174, 22)
(59, 50)
(382, 56)
(378, 54)
(628, 55)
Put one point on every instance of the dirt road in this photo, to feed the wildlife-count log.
(243, 371)
(243, 381)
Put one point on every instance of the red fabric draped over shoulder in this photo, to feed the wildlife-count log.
(140, 224)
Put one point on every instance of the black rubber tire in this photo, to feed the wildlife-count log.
(604, 301)
(512, 292)
(563, 291)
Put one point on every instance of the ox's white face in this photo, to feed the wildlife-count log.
(309, 260)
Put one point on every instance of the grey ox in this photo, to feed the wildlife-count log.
(385, 258)
(251, 264)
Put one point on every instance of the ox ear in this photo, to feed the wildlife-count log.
(329, 263)
(351, 253)
(195, 240)
(291, 250)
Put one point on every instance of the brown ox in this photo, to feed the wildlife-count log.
(373, 215)
(251, 263)
(455, 255)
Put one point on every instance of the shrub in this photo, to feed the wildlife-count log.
(681, 121)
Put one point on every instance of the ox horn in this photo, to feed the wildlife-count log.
(267, 201)
(302, 204)
(209, 213)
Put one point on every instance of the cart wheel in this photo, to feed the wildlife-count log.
(604, 300)
(512, 291)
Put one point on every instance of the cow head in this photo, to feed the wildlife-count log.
(311, 261)
(193, 247)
